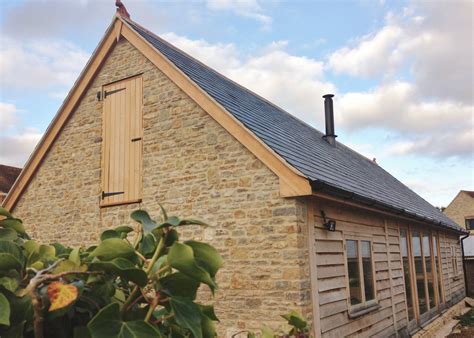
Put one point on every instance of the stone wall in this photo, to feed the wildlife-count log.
(195, 168)
(461, 207)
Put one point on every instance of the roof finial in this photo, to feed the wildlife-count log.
(121, 10)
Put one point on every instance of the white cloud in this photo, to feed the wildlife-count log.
(375, 54)
(15, 150)
(438, 128)
(8, 116)
(44, 63)
(245, 8)
(434, 38)
(293, 82)
(16, 143)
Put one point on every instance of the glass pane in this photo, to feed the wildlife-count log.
(437, 265)
(354, 274)
(419, 275)
(367, 270)
(429, 270)
(406, 271)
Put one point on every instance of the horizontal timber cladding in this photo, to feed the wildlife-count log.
(336, 313)
(453, 278)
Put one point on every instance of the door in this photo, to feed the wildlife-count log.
(122, 142)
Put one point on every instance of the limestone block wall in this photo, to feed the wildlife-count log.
(461, 207)
(194, 168)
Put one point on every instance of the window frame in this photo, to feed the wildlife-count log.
(437, 274)
(357, 310)
(467, 221)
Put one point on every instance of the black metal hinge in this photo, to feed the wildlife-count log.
(103, 95)
(108, 194)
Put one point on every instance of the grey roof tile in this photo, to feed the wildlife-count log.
(299, 144)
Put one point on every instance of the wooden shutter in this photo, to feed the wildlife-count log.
(122, 142)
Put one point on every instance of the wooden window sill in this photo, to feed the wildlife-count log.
(362, 310)
(113, 204)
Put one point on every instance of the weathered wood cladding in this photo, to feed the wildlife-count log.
(331, 270)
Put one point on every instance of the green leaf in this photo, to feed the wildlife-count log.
(208, 311)
(147, 245)
(164, 215)
(187, 315)
(9, 283)
(267, 333)
(107, 324)
(46, 253)
(208, 328)
(8, 234)
(181, 258)
(296, 320)
(21, 309)
(142, 217)
(192, 221)
(67, 265)
(75, 256)
(13, 223)
(109, 234)
(4, 310)
(81, 332)
(124, 268)
(60, 249)
(10, 256)
(206, 256)
(112, 248)
(171, 237)
(4, 212)
(251, 335)
(14, 331)
(178, 284)
(123, 230)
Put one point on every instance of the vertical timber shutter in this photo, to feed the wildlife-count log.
(122, 142)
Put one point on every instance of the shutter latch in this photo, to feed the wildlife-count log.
(108, 194)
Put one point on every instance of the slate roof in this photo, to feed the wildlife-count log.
(335, 169)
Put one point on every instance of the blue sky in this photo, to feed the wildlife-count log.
(402, 71)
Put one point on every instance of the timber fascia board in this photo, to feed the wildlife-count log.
(292, 182)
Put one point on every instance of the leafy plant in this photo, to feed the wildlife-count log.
(137, 281)
(299, 328)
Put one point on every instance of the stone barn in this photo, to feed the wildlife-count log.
(303, 222)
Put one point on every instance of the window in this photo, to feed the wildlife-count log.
(470, 223)
(454, 260)
(419, 249)
(122, 142)
(406, 272)
(360, 270)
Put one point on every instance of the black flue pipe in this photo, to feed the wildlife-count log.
(330, 136)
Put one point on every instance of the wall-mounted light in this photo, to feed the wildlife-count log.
(329, 224)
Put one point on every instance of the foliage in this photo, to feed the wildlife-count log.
(299, 328)
(466, 319)
(117, 288)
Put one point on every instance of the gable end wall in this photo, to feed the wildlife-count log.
(195, 168)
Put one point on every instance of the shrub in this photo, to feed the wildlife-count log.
(144, 287)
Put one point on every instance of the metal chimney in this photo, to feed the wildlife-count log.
(330, 136)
